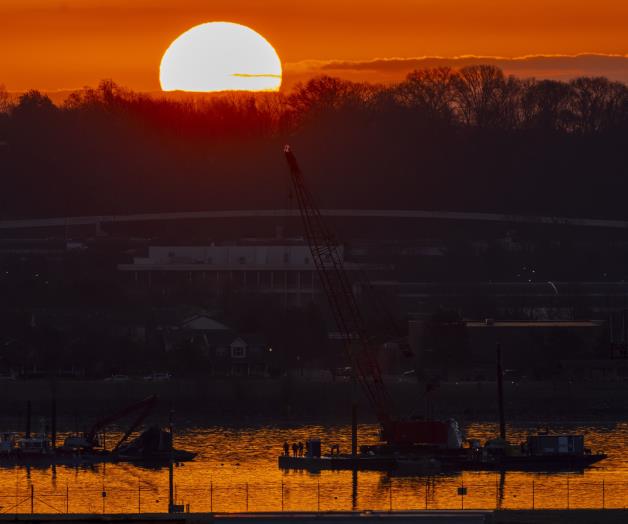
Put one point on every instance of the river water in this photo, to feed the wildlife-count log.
(236, 470)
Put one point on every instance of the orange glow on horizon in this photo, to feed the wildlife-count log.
(67, 45)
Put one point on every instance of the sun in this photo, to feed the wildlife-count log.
(220, 56)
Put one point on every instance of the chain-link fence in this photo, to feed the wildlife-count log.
(306, 494)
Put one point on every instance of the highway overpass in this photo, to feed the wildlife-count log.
(97, 220)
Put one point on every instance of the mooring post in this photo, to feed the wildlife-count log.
(28, 419)
(53, 417)
(500, 393)
(171, 467)
(354, 413)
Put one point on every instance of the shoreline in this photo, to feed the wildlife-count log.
(288, 400)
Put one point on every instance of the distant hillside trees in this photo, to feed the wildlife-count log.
(468, 139)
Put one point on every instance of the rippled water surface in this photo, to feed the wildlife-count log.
(236, 470)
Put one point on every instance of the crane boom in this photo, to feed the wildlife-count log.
(143, 407)
(360, 347)
(328, 260)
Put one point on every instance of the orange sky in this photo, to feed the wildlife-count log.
(66, 44)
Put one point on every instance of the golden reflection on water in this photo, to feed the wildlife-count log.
(236, 470)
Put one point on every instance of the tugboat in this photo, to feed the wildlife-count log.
(540, 452)
(543, 451)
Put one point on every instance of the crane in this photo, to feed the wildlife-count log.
(143, 407)
(360, 344)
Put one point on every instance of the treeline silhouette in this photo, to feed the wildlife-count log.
(469, 139)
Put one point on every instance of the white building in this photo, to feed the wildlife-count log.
(287, 270)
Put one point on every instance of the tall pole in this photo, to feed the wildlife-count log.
(53, 423)
(354, 429)
(171, 468)
(500, 393)
(354, 412)
(28, 419)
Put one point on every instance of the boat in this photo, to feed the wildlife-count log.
(540, 452)
(152, 447)
(543, 451)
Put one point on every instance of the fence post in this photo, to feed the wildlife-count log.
(318, 496)
(533, 494)
(603, 496)
(427, 485)
(32, 499)
(462, 494)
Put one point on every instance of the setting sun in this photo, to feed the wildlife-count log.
(220, 56)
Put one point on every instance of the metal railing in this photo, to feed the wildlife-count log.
(389, 494)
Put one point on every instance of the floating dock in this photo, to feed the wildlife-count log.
(338, 462)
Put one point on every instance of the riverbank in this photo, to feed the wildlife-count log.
(301, 399)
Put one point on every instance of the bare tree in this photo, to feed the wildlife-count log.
(428, 90)
(479, 92)
(546, 105)
(6, 103)
(597, 104)
(327, 92)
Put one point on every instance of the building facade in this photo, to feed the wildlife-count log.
(285, 270)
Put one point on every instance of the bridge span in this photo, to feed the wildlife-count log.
(30, 223)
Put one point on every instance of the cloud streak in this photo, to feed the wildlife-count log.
(558, 67)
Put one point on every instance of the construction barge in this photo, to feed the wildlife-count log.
(540, 452)
(153, 447)
(410, 444)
